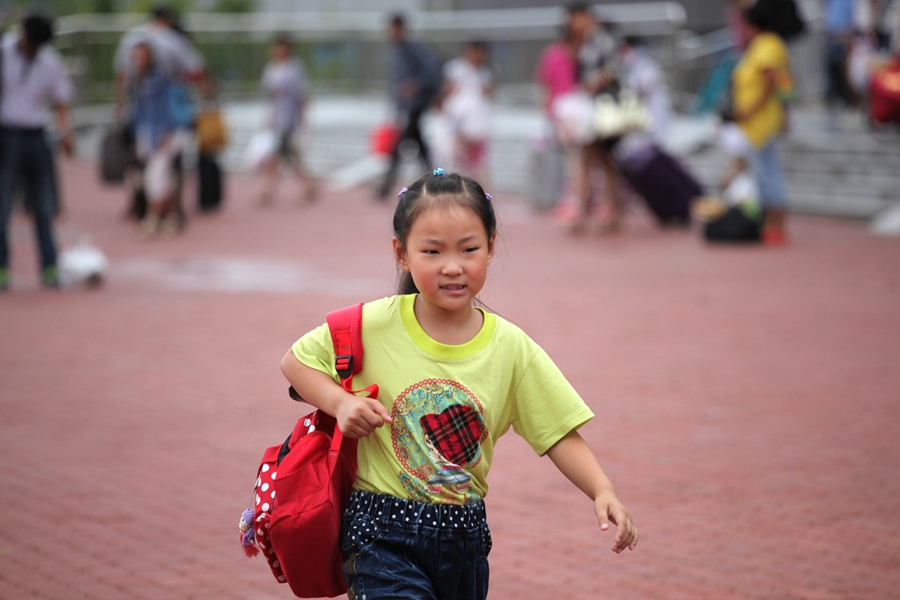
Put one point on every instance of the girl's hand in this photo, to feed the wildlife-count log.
(358, 417)
(610, 510)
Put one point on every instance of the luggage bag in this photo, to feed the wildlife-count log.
(660, 180)
(209, 183)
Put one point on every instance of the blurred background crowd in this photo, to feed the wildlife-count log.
(728, 113)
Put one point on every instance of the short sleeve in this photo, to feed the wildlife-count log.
(547, 407)
(316, 351)
(770, 54)
(123, 50)
(61, 90)
(452, 71)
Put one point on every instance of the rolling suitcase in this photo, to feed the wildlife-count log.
(548, 170)
(660, 180)
(209, 185)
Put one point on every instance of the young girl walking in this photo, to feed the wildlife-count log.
(453, 379)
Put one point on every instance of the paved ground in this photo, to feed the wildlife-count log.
(748, 403)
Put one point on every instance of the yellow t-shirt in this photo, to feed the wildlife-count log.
(449, 404)
(766, 51)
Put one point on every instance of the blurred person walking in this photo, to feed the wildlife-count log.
(759, 111)
(839, 24)
(598, 73)
(557, 69)
(284, 82)
(469, 83)
(176, 59)
(555, 158)
(156, 138)
(643, 74)
(32, 80)
(416, 82)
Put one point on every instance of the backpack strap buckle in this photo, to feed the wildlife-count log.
(344, 365)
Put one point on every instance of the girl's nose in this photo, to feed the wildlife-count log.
(452, 268)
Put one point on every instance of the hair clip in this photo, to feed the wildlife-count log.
(488, 196)
(403, 191)
(438, 172)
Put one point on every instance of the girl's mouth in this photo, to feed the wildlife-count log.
(454, 287)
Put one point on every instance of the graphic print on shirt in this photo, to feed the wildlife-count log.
(437, 433)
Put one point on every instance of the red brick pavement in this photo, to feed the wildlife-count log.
(748, 402)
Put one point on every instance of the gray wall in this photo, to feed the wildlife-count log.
(703, 15)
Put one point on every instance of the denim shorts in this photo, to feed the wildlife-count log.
(402, 549)
(766, 164)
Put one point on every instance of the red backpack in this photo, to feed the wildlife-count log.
(303, 485)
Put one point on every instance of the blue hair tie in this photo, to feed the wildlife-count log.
(438, 172)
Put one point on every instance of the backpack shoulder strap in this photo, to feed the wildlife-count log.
(345, 326)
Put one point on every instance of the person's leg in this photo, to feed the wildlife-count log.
(159, 186)
(9, 169)
(270, 180)
(295, 157)
(415, 133)
(271, 171)
(772, 193)
(38, 182)
(394, 161)
(587, 160)
(177, 208)
(378, 564)
(458, 563)
(402, 549)
(611, 180)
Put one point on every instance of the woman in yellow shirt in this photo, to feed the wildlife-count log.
(758, 83)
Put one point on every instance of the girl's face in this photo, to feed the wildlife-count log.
(447, 252)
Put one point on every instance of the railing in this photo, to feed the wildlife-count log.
(344, 51)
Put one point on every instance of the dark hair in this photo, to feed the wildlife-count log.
(761, 16)
(163, 12)
(477, 44)
(578, 8)
(283, 39)
(398, 20)
(439, 191)
(633, 41)
(38, 29)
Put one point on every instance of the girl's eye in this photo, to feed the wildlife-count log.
(473, 249)
(430, 251)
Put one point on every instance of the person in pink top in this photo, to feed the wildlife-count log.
(556, 70)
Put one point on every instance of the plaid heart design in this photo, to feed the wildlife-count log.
(455, 432)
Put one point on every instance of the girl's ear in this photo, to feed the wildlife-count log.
(400, 254)
(491, 242)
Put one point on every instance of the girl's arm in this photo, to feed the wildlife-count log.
(356, 416)
(575, 459)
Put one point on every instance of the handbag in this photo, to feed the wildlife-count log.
(303, 485)
(740, 223)
(384, 139)
(616, 115)
(211, 133)
(884, 93)
(116, 153)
